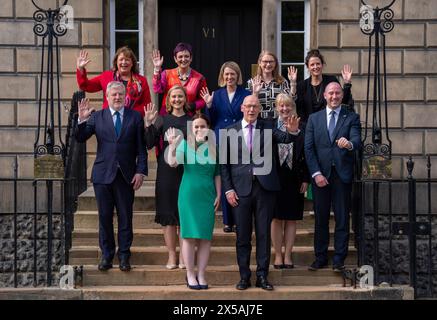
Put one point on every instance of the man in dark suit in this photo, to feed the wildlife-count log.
(250, 180)
(331, 137)
(118, 170)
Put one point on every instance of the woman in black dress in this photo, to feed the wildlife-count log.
(294, 179)
(168, 178)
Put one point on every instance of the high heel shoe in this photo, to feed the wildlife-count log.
(202, 286)
(192, 287)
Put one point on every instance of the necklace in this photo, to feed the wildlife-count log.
(317, 92)
(183, 77)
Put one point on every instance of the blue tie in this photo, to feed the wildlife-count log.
(117, 124)
(331, 126)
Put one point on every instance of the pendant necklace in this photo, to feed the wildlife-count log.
(185, 76)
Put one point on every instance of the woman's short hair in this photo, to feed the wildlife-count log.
(128, 53)
(182, 46)
(314, 53)
(168, 105)
(276, 74)
(234, 66)
(287, 100)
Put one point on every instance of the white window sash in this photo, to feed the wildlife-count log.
(113, 31)
(306, 32)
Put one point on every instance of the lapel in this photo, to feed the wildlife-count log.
(225, 99)
(324, 123)
(109, 123)
(124, 124)
(341, 118)
(257, 138)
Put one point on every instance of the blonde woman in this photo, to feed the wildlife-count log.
(294, 179)
(224, 109)
(168, 178)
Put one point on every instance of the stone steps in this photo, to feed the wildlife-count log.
(222, 292)
(155, 237)
(144, 199)
(89, 219)
(153, 275)
(220, 256)
(228, 292)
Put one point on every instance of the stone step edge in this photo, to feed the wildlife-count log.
(397, 292)
(213, 249)
(152, 231)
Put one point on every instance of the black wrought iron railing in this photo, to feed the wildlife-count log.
(75, 171)
(395, 231)
(35, 239)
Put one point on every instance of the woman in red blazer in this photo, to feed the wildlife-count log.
(124, 69)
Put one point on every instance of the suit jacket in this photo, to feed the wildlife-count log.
(127, 151)
(304, 94)
(300, 167)
(223, 113)
(239, 176)
(321, 154)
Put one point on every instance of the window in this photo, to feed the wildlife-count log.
(294, 36)
(126, 27)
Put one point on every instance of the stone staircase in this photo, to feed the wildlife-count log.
(149, 279)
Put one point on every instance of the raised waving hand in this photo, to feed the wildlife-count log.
(82, 60)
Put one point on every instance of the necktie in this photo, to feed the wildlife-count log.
(331, 125)
(249, 140)
(117, 123)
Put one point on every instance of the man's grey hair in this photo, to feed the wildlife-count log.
(115, 84)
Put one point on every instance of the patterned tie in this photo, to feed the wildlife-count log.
(285, 149)
(117, 123)
(249, 144)
(331, 126)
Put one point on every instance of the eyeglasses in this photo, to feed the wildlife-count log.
(268, 61)
(251, 106)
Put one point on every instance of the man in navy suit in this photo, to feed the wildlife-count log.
(250, 179)
(331, 137)
(118, 170)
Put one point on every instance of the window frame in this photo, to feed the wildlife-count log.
(306, 32)
(140, 31)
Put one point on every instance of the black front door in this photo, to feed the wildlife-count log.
(218, 31)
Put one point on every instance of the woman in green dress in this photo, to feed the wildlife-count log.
(199, 194)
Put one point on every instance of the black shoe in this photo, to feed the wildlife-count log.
(202, 286)
(338, 267)
(288, 266)
(193, 287)
(124, 264)
(105, 264)
(278, 266)
(243, 284)
(228, 229)
(316, 265)
(263, 283)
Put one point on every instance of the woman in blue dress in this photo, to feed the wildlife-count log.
(224, 109)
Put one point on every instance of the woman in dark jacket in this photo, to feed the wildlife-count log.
(309, 92)
(294, 179)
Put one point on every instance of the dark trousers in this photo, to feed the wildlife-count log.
(118, 194)
(337, 194)
(260, 205)
(228, 218)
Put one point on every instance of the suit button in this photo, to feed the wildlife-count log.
(226, 120)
